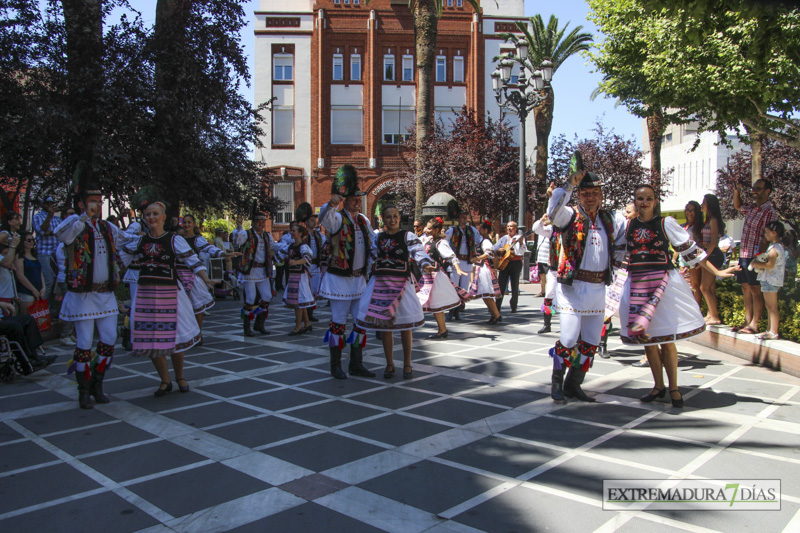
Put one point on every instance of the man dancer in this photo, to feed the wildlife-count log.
(350, 241)
(463, 240)
(514, 267)
(255, 270)
(92, 276)
(585, 260)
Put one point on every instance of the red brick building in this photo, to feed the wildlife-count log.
(342, 78)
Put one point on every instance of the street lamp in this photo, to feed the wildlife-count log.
(531, 90)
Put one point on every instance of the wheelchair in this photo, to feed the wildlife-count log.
(13, 360)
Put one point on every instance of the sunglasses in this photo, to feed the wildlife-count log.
(30, 240)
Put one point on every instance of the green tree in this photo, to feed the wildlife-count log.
(553, 43)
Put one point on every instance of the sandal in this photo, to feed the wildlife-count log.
(184, 387)
(747, 331)
(768, 336)
(162, 389)
(407, 375)
(739, 327)
(389, 372)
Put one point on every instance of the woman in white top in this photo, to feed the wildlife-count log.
(484, 281)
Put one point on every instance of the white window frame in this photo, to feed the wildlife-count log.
(284, 190)
(334, 122)
(275, 67)
(355, 60)
(459, 3)
(396, 137)
(388, 61)
(458, 64)
(441, 60)
(338, 62)
(408, 63)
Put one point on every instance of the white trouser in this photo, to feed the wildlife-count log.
(106, 328)
(341, 308)
(462, 281)
(264, 288)
(588, 327)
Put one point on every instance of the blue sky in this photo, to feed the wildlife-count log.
(574, 114)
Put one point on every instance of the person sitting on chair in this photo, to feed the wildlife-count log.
(23, 330)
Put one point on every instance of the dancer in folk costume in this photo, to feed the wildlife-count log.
(163, 321)
(92, 275)
(548, 238)
(390, 302)
(255, 270)
(657, 307)
(297, 294)
(201, 297)
(344, 283)
(317, 242)
(484, 281)
(585, 259)
(437, 291)
(463, 240)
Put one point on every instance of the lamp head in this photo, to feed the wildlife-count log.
(522, 49)
(547, 70)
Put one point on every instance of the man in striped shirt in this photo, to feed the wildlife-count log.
(756, 217)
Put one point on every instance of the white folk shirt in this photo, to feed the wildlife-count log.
(337, 287)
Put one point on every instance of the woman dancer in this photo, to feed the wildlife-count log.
(297, 294)
(163, 321)
(713, 229)
(656, 305)
(484, 281)
(202, 299)
(389, 302)
(437, 292)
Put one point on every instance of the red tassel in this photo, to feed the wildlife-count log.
(87, 371)
(363, 340)
(101, 366)
(341, 343)
(586, 364)
(603, 334)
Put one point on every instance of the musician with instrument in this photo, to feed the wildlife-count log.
(509, 252)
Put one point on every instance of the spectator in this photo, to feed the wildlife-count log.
(710, 237)
(792, 252)
(44, 224)
(24, 331)
(10, 226)
(694, 225)
(418, 228)
(113, 220)
(8, 285)
(770, 267)
(756, 219)
(281, 270)
(30, 275)
(239, 235)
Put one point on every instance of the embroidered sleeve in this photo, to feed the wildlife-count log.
(186, 255)
(127, 252)
(446, 252)
(330, 218)
(305, 252)
(70, 228)
(417, 250)
(281, 248)
(488, 248)
(683, 243)
(557, 210)
(207, 248)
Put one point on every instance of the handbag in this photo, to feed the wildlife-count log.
(40, 312)
(534, 274)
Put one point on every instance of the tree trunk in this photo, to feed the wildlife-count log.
(655, 131)
(543, 123)
(83, 21)
(757, 160)
(425, 29)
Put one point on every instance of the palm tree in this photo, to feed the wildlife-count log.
(553, 43)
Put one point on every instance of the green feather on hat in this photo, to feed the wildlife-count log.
(345, 182)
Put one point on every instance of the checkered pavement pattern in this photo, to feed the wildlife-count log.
(267, 441)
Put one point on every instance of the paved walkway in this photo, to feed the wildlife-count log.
(267, 441)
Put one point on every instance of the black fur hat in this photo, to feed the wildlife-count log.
(345, 183)
(255, 214)
(145, 196)
(303, 212)
(83, 184)
(453, 209)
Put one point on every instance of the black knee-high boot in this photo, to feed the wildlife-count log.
(576, 375)
(336, 363)
(557, 384)
(547, 320)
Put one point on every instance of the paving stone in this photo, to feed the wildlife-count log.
(342, 387)
(107, 512)
(195, 372)
(728, 402)
(324, 451)
(584, 476)
(64, 420)
(603, 413)
(396, 429)
(430, 486)
(25, 401)
(314, 486)
(644, 450)
(334, 413)
(192, 490)
(497, 394)
(20, 386)
(307, 517)
(237, 387)
(171, 401)
(17, 455)
(116, 386)
(737, 520)
(456, 411)
(732, 464)
(394, 397)
(212, 414)
(502, 456)
(97, 438)
(294, 376)
(40, 485)
(558, 432)
(144, 460)
(281, 399)
(261, 431)
(698, 429)
(243, 365)
(444, 384)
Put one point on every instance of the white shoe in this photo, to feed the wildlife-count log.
(66, 341)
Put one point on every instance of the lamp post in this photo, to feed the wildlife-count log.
(531, 90)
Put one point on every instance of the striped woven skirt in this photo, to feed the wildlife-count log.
(390, 305)
(163, 321)
(438, 293)
(297, 294)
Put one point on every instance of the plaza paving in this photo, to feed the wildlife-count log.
(267, 441)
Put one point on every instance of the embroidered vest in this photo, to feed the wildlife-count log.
(648, 245)
(555, 242)
(324, 251)
(249, 249)
(156, 260)
(294, 254)
(317, 239)
(573, 245)
(432, 249)
(79, 257)
(393, 256)
(343, 246)
(488, 261)
(455, 240)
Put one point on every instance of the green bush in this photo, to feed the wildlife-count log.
(210, 226)
(731, 307)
